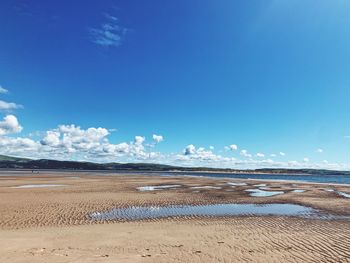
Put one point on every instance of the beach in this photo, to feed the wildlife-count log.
(56, 217)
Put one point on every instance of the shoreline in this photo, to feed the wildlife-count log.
(26, 172)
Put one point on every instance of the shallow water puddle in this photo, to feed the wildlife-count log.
(157, 187)
(37, 185)
(298, 191)
(205, 187)
(262, 193)
(237, 184)
(138, 213)
(266, 188)
(344, 194)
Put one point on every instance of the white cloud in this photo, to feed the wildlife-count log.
(10, 125)
(190, 149)
(192, 155)
(211, 147)
(273, 155)
(139, 140)
(18, 146)
(2, 90)
(52, 138)
(205, 158)
(157, 138)
(282, 154)
(74, 138)
(71, 142)
(245, 154)
(233, 147)
(319, 150)
(9, 105)
(108, 34)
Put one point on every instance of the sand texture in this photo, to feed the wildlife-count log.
(52, 224)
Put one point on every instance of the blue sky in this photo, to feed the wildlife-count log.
(266, 76)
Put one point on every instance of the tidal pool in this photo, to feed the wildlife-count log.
(140, 212)
(37, 185)
(205, 187)
(237, 184)
(298, 191)
(157, 187)
(262, 193)
(346, 195)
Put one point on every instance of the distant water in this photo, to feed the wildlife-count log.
(336, 179)
(324, 178)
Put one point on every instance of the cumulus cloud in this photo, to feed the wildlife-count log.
(72, 142)
(194, 156)
(3, 90)
(245, 153)
(52, 138)
(139, 140)
(233, 147)
(157, 138)
(190, 149)
(10, 125)
(18, 146)
(108, 34)
(73, 138)
(282, 154)
(319, 150)
(198, 156)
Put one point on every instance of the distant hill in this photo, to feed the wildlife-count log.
(8, 162)
(4, 158)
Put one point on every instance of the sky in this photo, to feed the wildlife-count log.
(239, 84)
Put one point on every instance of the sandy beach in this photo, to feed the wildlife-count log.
(46, 217)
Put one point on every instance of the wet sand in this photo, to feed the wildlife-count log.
(52, 224)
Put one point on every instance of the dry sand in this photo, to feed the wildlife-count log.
(51, 224)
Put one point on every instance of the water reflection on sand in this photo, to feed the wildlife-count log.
(262, 193)
(138, 213)
(37, 185)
